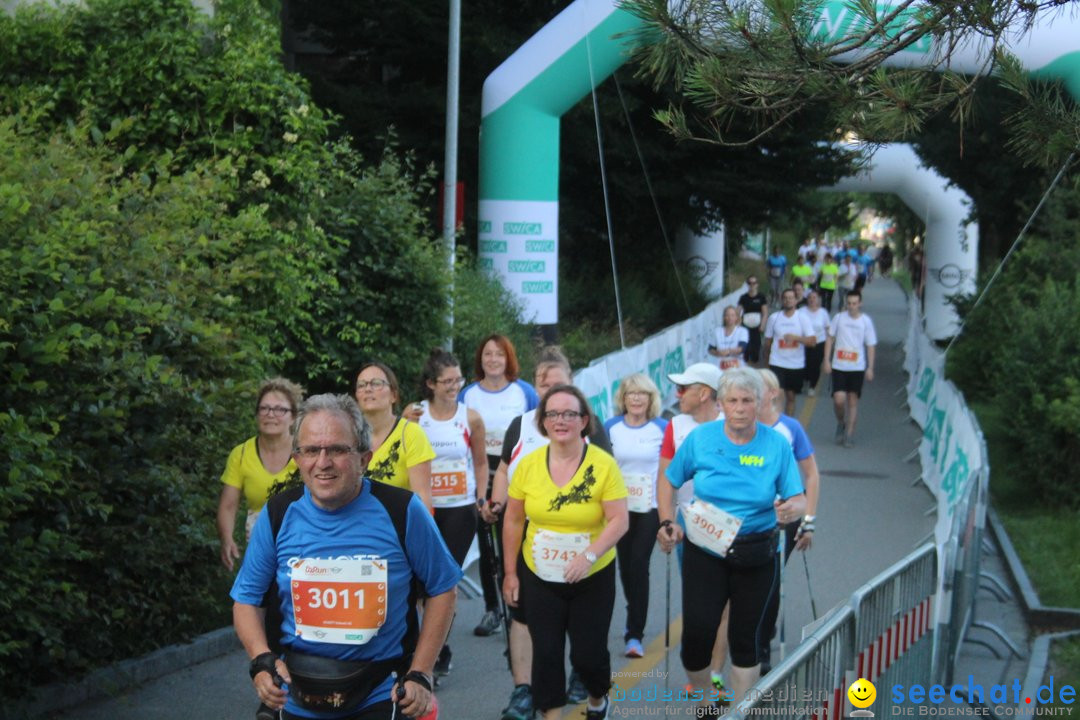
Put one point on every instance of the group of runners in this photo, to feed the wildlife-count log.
(361, 512)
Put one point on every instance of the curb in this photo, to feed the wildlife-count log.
(1039, 616)
(123, 676)
(1040, 658)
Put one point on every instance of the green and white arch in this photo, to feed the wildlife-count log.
(525, 97)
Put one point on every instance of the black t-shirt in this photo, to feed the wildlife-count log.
(753, 304)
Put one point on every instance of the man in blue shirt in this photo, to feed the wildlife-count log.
(347, 558)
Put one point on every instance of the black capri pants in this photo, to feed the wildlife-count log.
(457, 525)
(709, 582)
(580, 610)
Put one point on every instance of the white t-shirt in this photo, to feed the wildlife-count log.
(848, 276)
(637, 450)
(819, 320)
(851, 336)
(731, 342)
(784, 354)
(499, 408)
(453, 477)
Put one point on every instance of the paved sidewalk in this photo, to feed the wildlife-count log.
(870, 516)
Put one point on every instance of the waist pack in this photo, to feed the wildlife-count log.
(752, 549)
(325, 684)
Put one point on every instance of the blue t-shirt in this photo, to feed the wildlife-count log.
(361, 528)
(793, 432)
(740, 479)
(864, 262)
(780, 263)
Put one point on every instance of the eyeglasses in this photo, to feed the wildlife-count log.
(751, 282)
(275, 410)
(375, 384)
(451, 382)
(313, 452)
(565, 415)
(637, 394)
(681, 389)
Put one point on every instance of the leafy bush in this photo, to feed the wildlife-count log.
(177, 223)
(125, 356)
(1020, 350)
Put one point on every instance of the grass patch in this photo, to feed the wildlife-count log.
(1064, 664)
(1045, 537)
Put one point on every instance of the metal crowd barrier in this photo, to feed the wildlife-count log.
(884, 634)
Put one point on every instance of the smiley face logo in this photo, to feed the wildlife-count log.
(862, 693)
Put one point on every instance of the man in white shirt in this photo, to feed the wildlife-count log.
(849, 356)
(786, 355)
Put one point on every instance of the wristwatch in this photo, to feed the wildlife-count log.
(590, 556)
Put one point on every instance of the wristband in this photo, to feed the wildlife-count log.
(265, 662)
(665, 523)
(417, 677)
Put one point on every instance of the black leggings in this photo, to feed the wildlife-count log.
(580, 610)
(709, 582)
(634, 551)
(457, 525)
(772, 612)
(814, 356)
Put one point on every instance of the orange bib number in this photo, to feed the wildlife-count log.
(339, 601)
(448, 481)
(847, 355)
(729, 362)
(788, 344)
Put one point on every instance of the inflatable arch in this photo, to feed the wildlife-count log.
(524, 98)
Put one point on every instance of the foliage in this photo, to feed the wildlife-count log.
(771, 63)
(386, 67)
(1029, 319)
(126, 353)
(178, 222)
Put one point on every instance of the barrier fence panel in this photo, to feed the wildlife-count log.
(884, 634)
(809, 683)
(894, 631)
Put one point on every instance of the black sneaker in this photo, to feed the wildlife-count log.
(443, 664)
(520, 706)
(266, 713)
(488, 624)
(840, 429)
(598, 714)
(575, 689)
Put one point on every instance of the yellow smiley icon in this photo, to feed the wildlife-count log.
(862, 693)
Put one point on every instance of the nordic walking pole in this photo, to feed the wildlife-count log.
(809, 590)
(667, 621)
(503, 608)
(783, 547)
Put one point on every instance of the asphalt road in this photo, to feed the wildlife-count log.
(870, 516)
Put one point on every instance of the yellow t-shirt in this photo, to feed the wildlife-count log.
(577, 507)
(406, 446)
(244, 470)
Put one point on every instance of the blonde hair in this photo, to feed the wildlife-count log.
(771, 383)
(638, 383)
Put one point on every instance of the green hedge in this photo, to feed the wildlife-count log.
(1020, 352)
(176, 222)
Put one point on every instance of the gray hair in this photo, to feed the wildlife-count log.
(344, 406)
(742, 378)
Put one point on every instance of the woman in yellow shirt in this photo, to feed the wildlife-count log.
(259, 462)
(402, 453)
(574, 498)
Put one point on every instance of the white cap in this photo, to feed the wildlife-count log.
(703, 373)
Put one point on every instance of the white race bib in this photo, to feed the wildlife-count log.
(449, 484)
(709, 527)
(552, 552)
(339, 601)
(639, 489)
(751, 320)
(493, 440)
